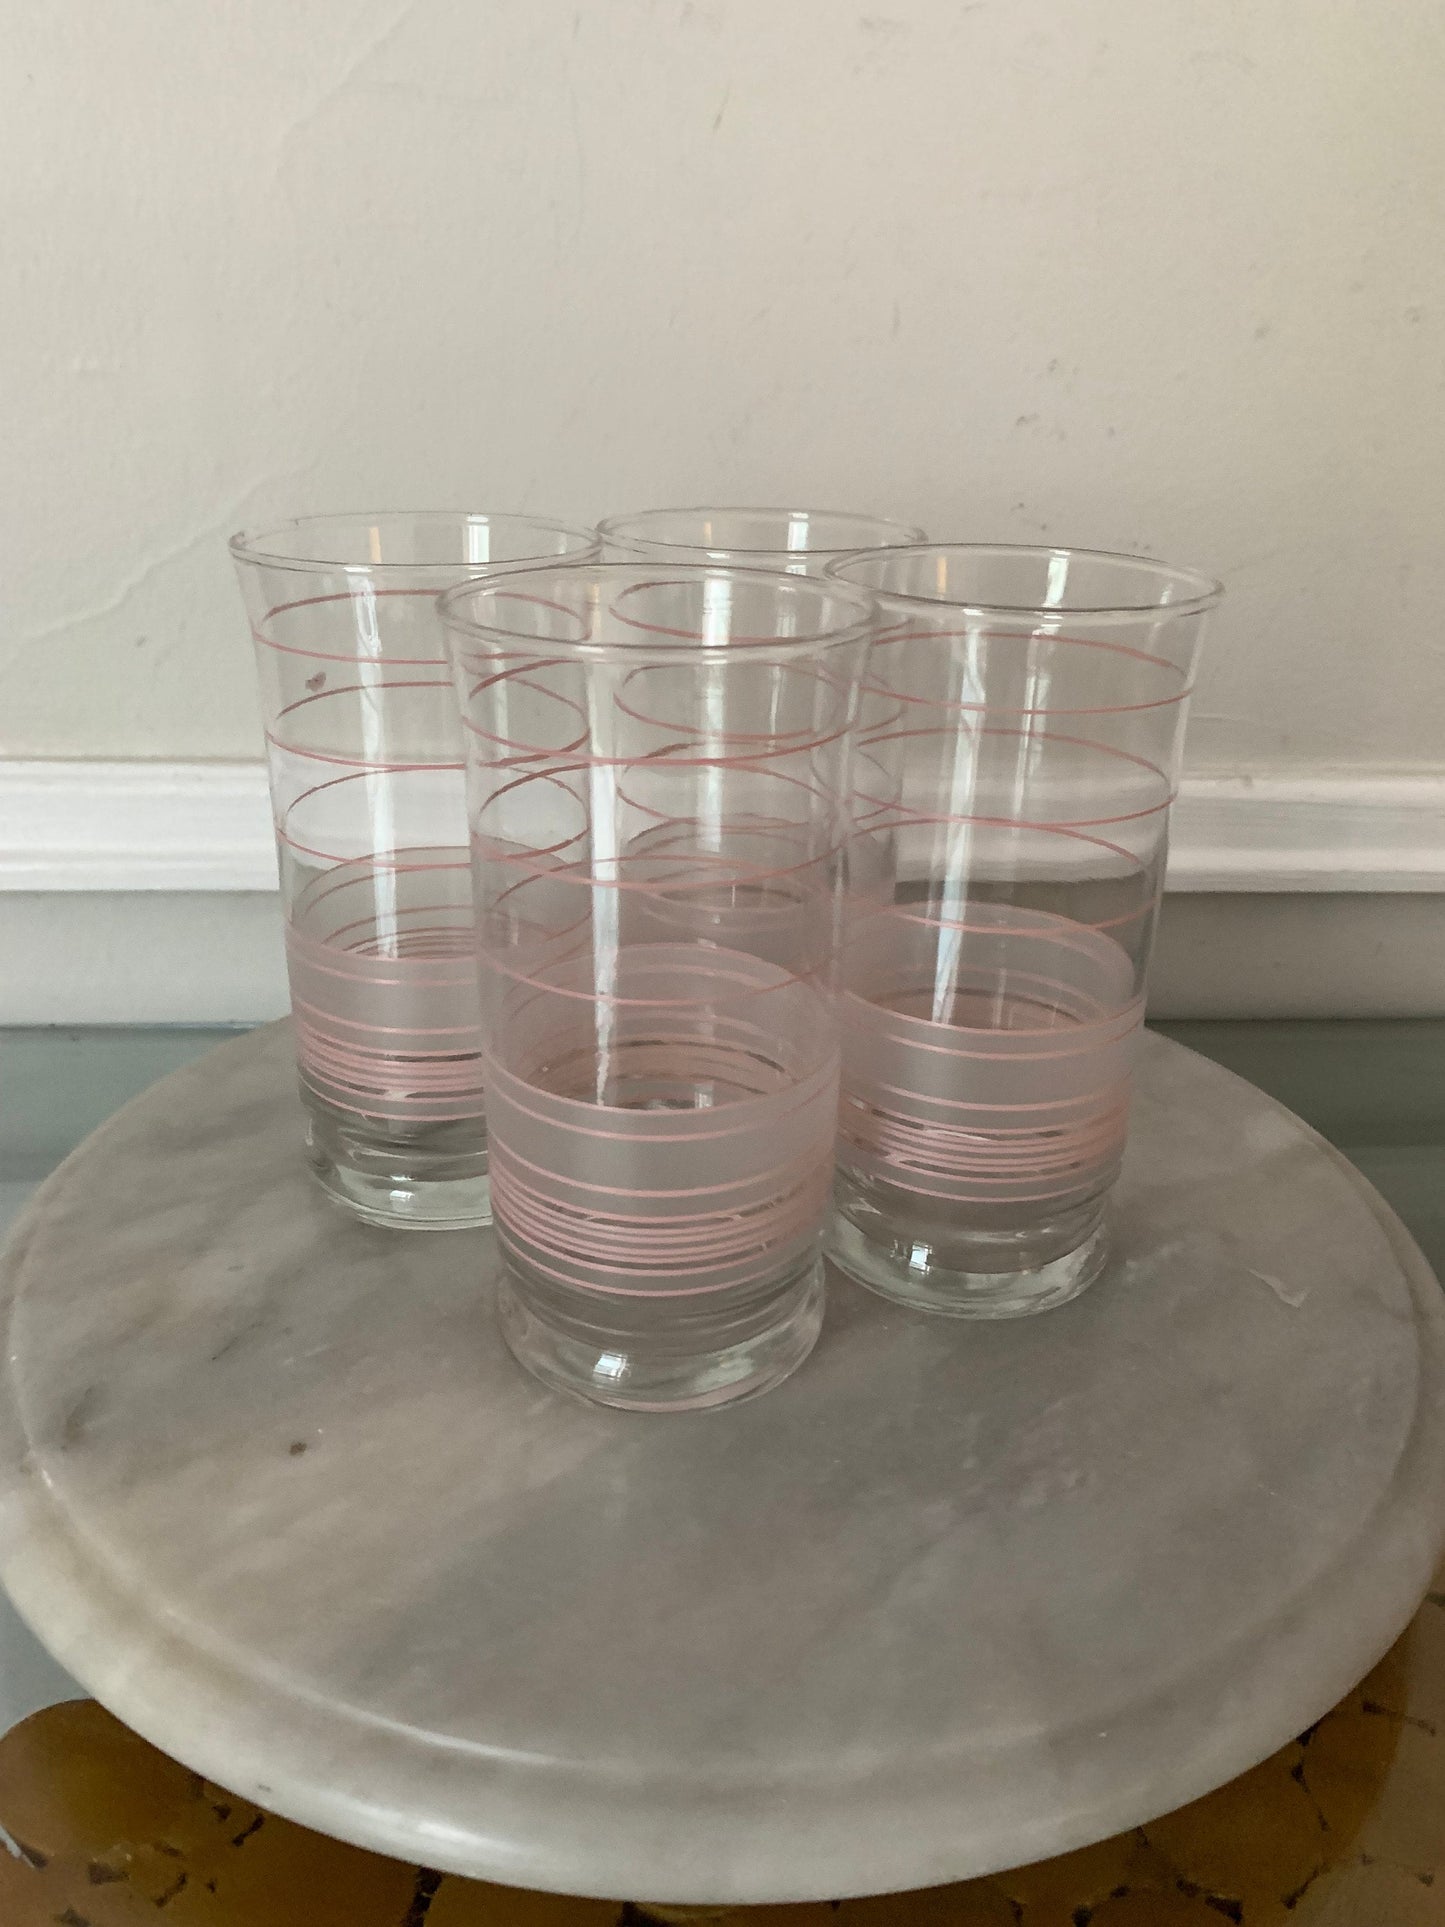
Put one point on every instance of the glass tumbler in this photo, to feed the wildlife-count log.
(365, 754)
(799, 540)
(1018, 750)
(657, 773)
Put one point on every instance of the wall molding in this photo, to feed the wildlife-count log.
(1282, 831)
(181, 827)
(135, 826)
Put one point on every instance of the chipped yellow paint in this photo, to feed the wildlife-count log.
(1345, 1827)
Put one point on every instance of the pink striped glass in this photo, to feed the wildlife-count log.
(657, 775)
(365, 754)
(1018, 751)
(800, 540)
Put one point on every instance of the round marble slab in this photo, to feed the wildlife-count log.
(955, 1597)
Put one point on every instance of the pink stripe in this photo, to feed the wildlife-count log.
(353, 1044)
(369, 592)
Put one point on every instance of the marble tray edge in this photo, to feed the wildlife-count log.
(37, 1572)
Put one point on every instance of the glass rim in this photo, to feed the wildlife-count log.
(1206, 589)
(250, 545)
(654, 642)
(621, 528)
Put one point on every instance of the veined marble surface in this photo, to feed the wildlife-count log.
(952, 1598)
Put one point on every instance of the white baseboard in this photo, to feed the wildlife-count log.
(146, 893)
(127, 827)
(135, 826)
(1362, 831)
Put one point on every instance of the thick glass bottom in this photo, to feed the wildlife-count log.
(1010, 1268)
(427, 1177)
(660, 1354)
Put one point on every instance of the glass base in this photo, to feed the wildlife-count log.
(404, 1181)
(660, 1354)
(967, 1272)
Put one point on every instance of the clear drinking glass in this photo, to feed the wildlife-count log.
(799, 540)
(1018, 749)
(365, 754)
(658, 798)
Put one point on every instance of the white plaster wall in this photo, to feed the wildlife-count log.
(1165, 276)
